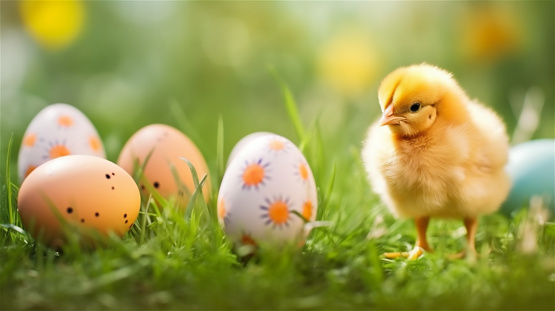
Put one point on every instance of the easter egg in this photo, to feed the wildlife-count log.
(86, 193)
(56, 131)
(267, 193)
(531, 167)
(243, 142)
(162, 147)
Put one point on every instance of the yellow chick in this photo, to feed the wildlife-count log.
(435, 153)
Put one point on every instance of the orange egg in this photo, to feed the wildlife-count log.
(80, 192)
(164, 146)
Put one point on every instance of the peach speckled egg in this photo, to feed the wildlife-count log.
(165, 146)
(56, 131)
(81, 190)
(267, 190)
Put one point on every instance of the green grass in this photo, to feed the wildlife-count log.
(176, 261)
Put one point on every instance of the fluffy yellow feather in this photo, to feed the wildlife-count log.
(435, 152)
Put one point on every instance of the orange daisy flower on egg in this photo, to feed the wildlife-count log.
(307, 210)
(56, 150)
(95, 143)
(221, 209)
(255, 174)
(277, 144)
(223, 212)
(302, 171)
(246, 239)
(29, 140)
(65, 121)
(276, 212)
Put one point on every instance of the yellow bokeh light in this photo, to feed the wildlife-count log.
(348, 63)
(490, 33)
(53, 24)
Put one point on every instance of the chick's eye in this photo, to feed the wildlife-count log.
(415, 107)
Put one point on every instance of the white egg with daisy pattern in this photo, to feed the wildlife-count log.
(268, 193)
(57, 130)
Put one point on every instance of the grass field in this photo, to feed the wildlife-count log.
(221, 70)
(175, 261)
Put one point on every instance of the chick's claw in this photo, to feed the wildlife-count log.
(396, 255)
(414, 254)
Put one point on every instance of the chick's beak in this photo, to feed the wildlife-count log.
(388, 118)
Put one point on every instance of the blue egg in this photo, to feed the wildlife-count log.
(532, 170)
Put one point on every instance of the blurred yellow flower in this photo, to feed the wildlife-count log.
(53, 24)
(348, 63)
(490, 32)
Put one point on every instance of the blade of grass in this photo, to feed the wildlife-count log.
(198, 189)
(290, 105)
(153, 191)
(143, 223)
(220, 149)
(13, 228)
(194, 173)
(304, 220)
(326, 195)
(374, 258)
(11, 216)
(180, 185)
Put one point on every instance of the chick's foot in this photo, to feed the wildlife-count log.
(414, 254)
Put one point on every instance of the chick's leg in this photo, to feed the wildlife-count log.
(471, 225)
(421, 241)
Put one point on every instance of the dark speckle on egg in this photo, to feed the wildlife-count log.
(96, 214)
(107, 176)
(69, 210)
(164, 134)
(124, 215)
(82, 219)
(113, 188)
(156, 185)
(126, 221)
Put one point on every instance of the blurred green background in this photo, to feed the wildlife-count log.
(127, 64)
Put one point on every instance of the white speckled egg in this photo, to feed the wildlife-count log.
(86, 192)
(164, 146)
(243, 142)
(57, 130)
(266, 183)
